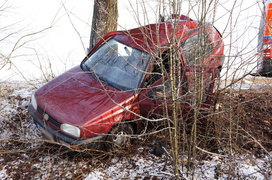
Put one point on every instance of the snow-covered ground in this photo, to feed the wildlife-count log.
(248, 82)
(139, 167)
(24, 155)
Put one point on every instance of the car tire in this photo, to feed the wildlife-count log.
(118, 137)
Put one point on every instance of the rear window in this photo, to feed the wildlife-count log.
(196, 47)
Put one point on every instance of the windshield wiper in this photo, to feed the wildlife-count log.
(86, 68)
(105, 81)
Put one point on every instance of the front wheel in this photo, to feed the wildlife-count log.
(120, 137)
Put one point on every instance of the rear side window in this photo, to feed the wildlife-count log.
(196, 47)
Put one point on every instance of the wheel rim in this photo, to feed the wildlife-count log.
(120, 139)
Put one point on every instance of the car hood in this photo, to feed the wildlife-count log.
(76, 98)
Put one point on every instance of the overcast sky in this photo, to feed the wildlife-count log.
(64, 44)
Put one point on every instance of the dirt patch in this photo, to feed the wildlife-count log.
(246, 117)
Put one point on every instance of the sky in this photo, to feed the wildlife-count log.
(64, 29)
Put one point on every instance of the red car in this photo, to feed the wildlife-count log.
(117, 85)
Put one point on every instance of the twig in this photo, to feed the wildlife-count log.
(214, 154)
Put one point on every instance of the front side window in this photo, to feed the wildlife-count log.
(118, 65)
(159, 93)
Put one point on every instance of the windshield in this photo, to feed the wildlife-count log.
(118, 65)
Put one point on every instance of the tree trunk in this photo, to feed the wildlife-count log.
(105, 16)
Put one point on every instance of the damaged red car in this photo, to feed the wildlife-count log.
(119, 83)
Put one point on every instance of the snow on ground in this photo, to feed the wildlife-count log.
(139, 167)
(27, 156)
(15, 97)
(249, 82)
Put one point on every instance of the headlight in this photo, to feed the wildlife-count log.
(33, 101)
(70, 129)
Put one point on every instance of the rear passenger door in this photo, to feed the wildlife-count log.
(199, 75)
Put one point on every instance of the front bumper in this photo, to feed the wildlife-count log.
(54, 135)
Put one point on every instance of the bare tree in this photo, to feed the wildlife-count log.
(105, 14)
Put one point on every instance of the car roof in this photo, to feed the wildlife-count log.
(153, 36)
